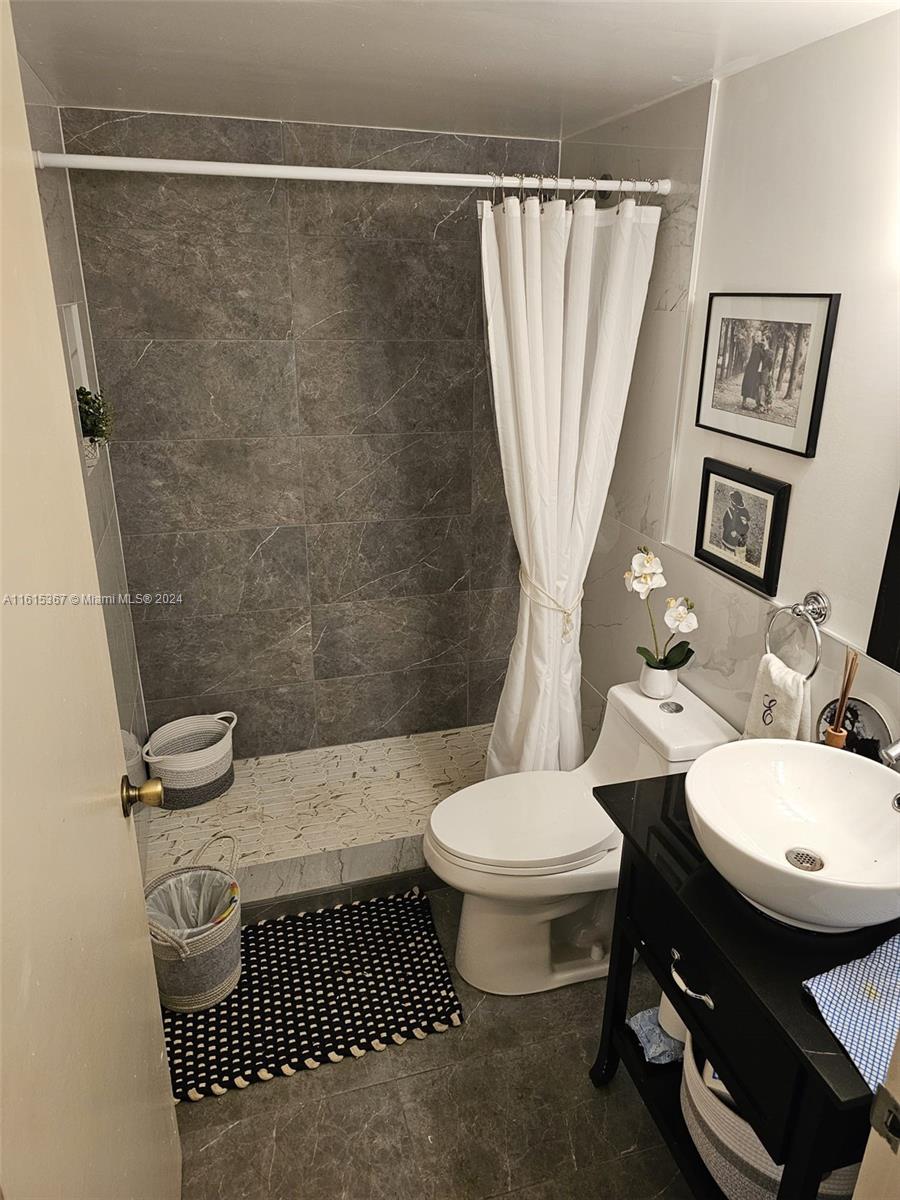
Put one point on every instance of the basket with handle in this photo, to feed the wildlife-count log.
(194, 915)
(193, 757)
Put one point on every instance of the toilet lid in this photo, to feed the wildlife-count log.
(532, 820)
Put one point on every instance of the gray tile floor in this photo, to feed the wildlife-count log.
(499, 1107)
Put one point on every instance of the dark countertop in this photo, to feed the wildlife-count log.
(773, 959)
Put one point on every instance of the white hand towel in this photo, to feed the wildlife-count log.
(779, 706)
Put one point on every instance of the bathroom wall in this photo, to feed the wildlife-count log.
(805, 121)
(68, 287)
(665, 140)
(304, 451)
(772, 218)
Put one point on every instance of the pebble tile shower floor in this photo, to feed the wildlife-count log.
(501, 1107)
(319, 819)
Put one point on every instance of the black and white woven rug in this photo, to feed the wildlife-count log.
(314, 988)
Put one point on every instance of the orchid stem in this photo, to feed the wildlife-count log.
(653, 629)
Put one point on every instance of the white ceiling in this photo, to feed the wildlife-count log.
(533, 68)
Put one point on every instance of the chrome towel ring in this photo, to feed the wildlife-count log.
(816, 608)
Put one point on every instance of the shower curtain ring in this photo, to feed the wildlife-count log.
(622, 189)
(540, 194)
(521, 178)
(495, 179)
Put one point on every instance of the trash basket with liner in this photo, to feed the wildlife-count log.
(194, 914)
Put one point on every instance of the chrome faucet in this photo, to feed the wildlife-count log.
(890, 756)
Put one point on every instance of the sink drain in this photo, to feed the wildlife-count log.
(803, 859)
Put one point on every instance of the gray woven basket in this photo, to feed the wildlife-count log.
(197, 964)
(193, 758)
(731, 1151)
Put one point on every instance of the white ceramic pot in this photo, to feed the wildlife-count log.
(656, 683)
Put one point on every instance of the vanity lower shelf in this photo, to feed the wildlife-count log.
(659, 1087)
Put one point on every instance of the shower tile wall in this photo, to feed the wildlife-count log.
(65, 269)
(304, 446)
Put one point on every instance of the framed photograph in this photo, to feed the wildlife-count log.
(765, 366)
(741, 523)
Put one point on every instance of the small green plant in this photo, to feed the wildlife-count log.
(95, 414)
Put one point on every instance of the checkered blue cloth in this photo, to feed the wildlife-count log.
(860, 1002)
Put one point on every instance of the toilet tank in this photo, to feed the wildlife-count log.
(641, 737)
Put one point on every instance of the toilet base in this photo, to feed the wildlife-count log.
(515, 948)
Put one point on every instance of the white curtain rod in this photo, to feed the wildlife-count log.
(186, 166)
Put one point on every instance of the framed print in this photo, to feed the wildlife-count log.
(741, 523)
(765, 366)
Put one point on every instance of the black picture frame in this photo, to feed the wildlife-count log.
(772, 517)
(824, 339)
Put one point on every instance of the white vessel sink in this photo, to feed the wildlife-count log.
(807, 833)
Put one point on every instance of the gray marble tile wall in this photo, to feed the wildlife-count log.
(305, 446)
(65, 267)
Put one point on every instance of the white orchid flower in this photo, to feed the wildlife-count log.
(646, 563)
(643, 577)
(679, 615)
(645, 584)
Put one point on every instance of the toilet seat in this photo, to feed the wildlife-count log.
(534, 823)
(570, 870)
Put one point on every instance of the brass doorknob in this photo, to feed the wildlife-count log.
(150, 792)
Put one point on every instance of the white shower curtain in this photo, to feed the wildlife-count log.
(564, 290)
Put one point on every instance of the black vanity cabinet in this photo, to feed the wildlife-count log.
(735, 978)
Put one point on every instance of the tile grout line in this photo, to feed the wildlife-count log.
(295, 437)
(261, 525)
(313, 737)
(301, 683)
(455, 134)
(263, 341)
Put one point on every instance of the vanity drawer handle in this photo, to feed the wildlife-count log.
(682, 986)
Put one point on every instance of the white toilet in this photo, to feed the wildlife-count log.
(537, 858)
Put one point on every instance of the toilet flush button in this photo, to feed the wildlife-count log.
(671, 706)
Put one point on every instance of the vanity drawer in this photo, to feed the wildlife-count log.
(741, 1040)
